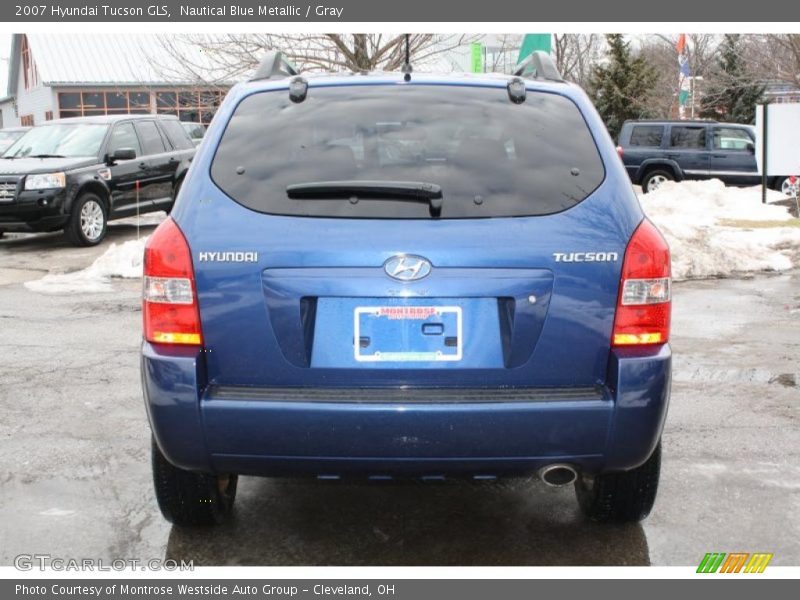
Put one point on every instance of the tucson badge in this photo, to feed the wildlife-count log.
(586, 257)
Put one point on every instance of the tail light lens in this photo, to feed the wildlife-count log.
(645, 302)
(169, 298)
(621, 151)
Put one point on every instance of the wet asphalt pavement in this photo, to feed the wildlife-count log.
(75, 472)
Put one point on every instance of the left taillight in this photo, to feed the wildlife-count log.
(645, 302)
(170, 311)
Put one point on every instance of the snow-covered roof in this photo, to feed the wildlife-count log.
(120, 59)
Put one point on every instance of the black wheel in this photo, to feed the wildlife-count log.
(88, 222)
(625, 497)
(189, 497)
(655, 179)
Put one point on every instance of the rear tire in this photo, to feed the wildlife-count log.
(784, 185)
(188, 497)
(655, 179)
(625, 497)
(88, 221)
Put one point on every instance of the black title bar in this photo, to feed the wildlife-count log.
(361, 11)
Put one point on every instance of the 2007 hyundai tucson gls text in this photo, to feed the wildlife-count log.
(384, 276)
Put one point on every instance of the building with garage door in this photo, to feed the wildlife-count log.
(53, 76)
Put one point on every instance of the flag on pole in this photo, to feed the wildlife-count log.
(680, 46)
(535, 41)
(684, 75)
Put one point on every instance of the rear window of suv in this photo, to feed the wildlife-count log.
(177, 135)
(490, 157)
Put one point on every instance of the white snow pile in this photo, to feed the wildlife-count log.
(712, 230)
(119, 261)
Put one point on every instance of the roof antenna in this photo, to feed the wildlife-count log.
(407, 66)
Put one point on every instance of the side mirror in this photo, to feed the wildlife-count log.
(121, 154)
(751, 147)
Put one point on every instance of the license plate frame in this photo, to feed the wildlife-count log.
(413, 314)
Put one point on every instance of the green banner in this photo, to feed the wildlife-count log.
(533, 42)
(476, 57)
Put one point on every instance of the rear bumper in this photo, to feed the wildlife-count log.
(373, 432)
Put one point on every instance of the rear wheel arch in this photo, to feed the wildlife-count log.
(664, 170)
(660, 166)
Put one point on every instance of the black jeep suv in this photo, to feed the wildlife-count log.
(77, 174)
(657, 151)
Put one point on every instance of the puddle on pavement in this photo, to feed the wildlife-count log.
(11, 275)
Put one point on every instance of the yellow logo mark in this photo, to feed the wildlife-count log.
(758, 562)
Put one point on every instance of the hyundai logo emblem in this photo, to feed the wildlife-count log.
(407, 267)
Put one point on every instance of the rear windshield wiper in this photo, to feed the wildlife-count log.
(412, 191)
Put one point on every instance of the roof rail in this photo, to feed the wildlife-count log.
(538, 65)
(274, 65)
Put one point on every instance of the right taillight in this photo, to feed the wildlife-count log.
(621, 151)
(169, 306)
(644, 304)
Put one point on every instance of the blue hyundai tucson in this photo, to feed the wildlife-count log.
(392, 276)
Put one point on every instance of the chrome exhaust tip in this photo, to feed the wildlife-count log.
(558, 475)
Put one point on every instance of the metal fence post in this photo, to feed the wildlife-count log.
(764, 118)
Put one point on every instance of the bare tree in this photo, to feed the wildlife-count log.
(215, 58)
(576, 55)
(776, 57)
(502, 54)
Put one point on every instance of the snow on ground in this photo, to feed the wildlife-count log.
(716, 231)
(124, 260)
